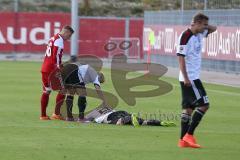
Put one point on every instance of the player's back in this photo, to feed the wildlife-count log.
(53, 54)
(99, 114)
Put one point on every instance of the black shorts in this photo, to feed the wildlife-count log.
(194, 95)
(115, 116)
(126, 117)
(72, 80)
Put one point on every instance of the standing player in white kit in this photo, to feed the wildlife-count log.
(194, 97)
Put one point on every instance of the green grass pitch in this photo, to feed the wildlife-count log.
(24, 137)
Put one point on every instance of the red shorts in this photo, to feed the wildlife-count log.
(51, 81)
(46, 82)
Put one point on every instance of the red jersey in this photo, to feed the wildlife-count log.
(53, 55)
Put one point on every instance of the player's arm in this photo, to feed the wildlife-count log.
(95, 80)
(181, 53)
(54, 55)
(182, 66)
(100, 94)
(57, 48)
(57, 57)
(56, 60)
(211, 29)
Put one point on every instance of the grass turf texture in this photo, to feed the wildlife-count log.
(24, 137)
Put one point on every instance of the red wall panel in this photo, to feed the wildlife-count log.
(33, 30)
(136, 30)
(95, 33)
(29, 32)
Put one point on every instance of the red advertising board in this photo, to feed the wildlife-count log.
(95, 33)
(29, 32)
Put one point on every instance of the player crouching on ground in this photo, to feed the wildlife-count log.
(107, 115)
(75, 77)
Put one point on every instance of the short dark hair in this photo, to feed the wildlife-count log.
(199, 17)
(69, 28)
(101, 77)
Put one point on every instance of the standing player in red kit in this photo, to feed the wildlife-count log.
(52, 62)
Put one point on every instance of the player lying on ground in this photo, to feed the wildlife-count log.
(75, 77)
(109, 116)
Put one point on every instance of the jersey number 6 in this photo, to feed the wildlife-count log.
(49, 50)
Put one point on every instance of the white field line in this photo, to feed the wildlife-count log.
(214, 91)
(105, 126)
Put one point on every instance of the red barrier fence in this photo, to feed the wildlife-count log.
(29, 32)
(224, 44)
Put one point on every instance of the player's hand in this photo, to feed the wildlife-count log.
(187, 82)
(63, 91)
(58, 74)
(104, 104)
(60, 66)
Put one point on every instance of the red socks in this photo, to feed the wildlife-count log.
(59, 101)
(44, 103)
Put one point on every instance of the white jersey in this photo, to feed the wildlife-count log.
(87, 74)
(100, 115)
(103, 118)
(190, 46)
